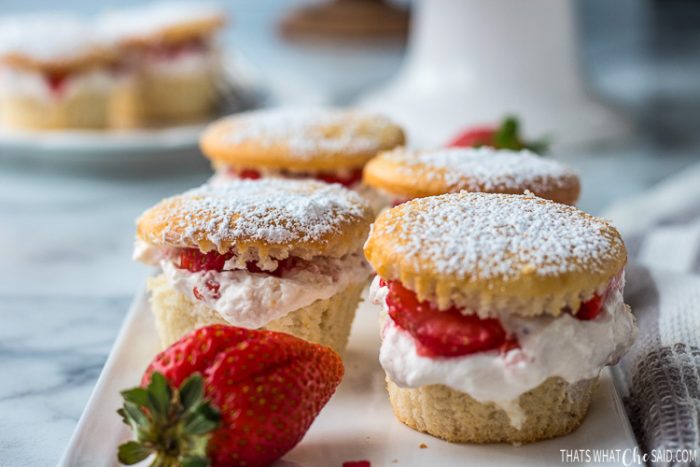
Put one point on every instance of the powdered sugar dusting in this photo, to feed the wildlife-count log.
(48, 37)
(310, 132)
(275, 211)
(484, 235)
(142, 21)
(476, 169)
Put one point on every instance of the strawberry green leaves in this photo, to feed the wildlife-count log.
(505, 136)
(225, 396)
(508, 137)
(132, 452)
(173, 424)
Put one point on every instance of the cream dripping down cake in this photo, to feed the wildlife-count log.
(499, 313)
(53, 74)
(403, 174)
(284, 255)
(327, 144)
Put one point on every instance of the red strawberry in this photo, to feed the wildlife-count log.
(474, 137)
(57, 82)
(507, 136)
(446, 333)
(249, 174)
(228, 396)
(591, 309)
(194, 260)
(346, 180)
(245, 174)
(329, 177)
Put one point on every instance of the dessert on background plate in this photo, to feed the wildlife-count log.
(54, 74)
(284, 255)
(241, 397)
(403, 174)
(499, 312)
(331, 145)
(170, 51)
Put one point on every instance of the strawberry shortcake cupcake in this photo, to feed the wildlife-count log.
(284, 255)
(404, 174)
(499, 313)
(171, 52)
(331, 145)
(52, 74)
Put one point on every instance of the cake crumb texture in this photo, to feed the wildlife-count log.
(326, 322)
(552, 409)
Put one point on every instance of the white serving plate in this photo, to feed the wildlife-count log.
(96, 147)
(240, 90)
(357, 424)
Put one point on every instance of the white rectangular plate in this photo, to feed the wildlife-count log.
(357, 424)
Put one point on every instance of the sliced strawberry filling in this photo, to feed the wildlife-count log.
(211, 289)
(347, 180)
(249, 174)
(57, 82)
(591, 308)
(449, 333)
(195, 261)
(446, 333)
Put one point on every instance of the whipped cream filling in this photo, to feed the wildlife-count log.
(149, 254)
(15, 82)
(252, 300)
(392, 199)
(191, 62)
(377, 200)
(563, 346)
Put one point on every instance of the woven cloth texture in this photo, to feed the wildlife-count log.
(659, 378)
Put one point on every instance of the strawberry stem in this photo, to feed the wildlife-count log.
(174, 424)
(508, 137)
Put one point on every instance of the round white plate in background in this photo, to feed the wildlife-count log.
(241, 90)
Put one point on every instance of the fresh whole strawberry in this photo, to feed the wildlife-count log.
(228, 396)
(506, 136)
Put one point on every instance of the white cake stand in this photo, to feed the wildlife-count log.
(473, 61)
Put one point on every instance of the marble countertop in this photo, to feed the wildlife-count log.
(65, 285)
(67, 279)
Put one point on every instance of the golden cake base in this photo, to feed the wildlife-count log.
(554, 408)
(326, 322)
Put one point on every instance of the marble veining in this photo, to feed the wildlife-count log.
(66, 283)
(52, 349)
